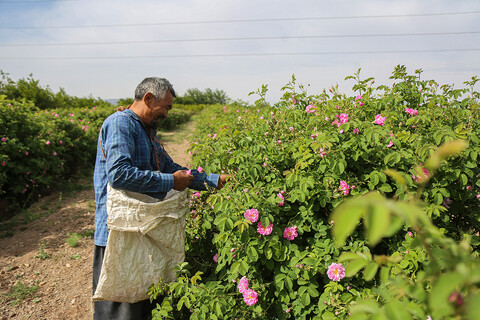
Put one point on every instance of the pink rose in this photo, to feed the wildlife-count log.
(251, 215)
(250, 297)
(310, 109)
(290, 233)
(264, 231)
(344, 187)
(243, 285)
(336, 272)
(379, 120)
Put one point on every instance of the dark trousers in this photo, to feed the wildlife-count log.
(108, 310)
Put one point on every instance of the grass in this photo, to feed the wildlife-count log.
(88, 233)
(41, 251)
(73, 239)
(19, 292)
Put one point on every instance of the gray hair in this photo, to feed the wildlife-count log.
(157, 86)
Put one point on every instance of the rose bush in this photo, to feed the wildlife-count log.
(40, 149)
(295, 163)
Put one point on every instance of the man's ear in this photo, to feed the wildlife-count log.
(149, 99)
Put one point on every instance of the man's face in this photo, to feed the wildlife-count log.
(160, 109)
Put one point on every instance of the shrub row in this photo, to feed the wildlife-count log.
(293, 164)
(40, 149)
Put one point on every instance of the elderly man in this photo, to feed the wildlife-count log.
(130, 157)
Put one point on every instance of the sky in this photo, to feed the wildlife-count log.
(104, 48)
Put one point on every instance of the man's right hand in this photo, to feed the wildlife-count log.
(181, 180)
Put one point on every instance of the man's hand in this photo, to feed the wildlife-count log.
(181, 180)
(222, 180)
(121, 108)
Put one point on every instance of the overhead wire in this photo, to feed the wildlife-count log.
(240, 39)
(241, 54)
(34, 1)
(240, 20)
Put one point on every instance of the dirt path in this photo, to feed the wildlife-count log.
(52, 278)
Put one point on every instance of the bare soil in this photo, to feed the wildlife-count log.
(37, 254)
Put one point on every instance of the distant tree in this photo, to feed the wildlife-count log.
(125, 102)
(44, 98)
(28, 89)
(209, 96)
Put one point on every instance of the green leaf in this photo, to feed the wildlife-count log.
(365, 306)
(473, 306)
(340, 168)
(180, 302)
(395, 224)
(346, 256)
(444, 192)
(377, 222)
(346, 217)
(288, 283)
(370, 271)
(305, 299)
(252, 253)
(438, 198)
(312, 291)
(396, 311)
(243, 269)
(354, 266)
(218, 309)
(374, 178)
(385, 188)
(442, 289)
(268, 253)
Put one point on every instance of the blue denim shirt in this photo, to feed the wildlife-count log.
(128, 162)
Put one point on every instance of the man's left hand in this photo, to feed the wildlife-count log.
(222, 180)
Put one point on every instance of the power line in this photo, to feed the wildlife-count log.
(34, 1)
(240, 54)
(241, 39)
(245, 20)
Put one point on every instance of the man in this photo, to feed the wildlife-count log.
(130, 157)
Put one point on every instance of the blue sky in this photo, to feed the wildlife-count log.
(113, 45)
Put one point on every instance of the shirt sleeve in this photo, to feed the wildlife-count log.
(119, 139)
(201, 181)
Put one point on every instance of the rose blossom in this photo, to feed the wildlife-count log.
(310, 109)
(264, 231)
(243, 284)
(344, 187)
(343, 117)
(336, 272)
(251, 215)
(379, 120)
(250, 297)
(421, 178)
(290, 233)
(280, 195)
